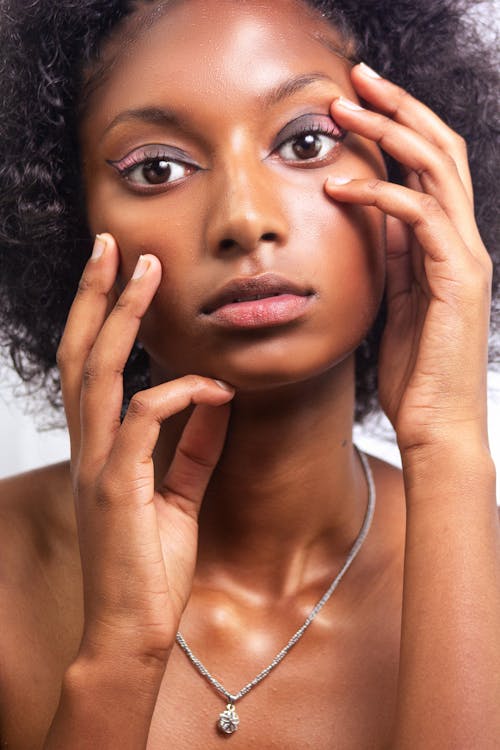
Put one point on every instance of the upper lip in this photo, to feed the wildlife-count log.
(249, 287)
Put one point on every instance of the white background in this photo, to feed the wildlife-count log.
(23, 446)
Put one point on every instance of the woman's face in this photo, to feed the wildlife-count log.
(208, 144)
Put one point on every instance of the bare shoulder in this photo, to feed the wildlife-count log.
(40, 598)
(36, 505)
(37, 527)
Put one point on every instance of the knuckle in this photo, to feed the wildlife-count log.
(426, 209)
(122, 304)
(83, 482)
(90, 374)
(458, 142)
(375, 184)
(401, 96)
(62, 355)
(429, 204)
(484, 276)
(103, 495)
(196, 382)
(488, 268)
(195, 457)
(139, 406)
(84, 286)
(125, 306)
(448, 162)
(477, 279)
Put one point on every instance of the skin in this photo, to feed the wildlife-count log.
(270, 450)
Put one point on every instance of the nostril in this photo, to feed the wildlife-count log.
(229, 244)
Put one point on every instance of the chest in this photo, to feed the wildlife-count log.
(335, 689)
(327, 693)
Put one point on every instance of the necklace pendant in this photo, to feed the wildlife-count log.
(229, 720)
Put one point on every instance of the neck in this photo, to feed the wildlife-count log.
(288, 496)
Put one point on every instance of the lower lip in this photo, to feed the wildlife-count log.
(260, 313)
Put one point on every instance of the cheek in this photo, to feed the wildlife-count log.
(158, 225)
(346, 244)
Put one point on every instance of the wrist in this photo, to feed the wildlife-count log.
(106, 675)
(463, 445)
(449, 468)
(117, 658)
(104, 705)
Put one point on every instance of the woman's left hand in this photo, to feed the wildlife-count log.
(433, 356)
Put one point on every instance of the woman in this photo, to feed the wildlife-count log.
(246, 232)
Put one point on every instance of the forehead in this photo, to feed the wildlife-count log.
(218, 47)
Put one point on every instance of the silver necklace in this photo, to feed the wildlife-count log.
(229, 719)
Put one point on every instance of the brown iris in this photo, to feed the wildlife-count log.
(307, 146)
(156, 171)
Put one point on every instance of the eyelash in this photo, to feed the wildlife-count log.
(332, 131)
(128, 164)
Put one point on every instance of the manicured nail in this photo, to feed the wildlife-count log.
(364, 68)
(224, 386)
(142, 266)
(99, 246)
(339, 180)
(348, 104)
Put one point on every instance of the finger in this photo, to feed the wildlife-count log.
(102, 384)
(447, 259)
(436, 170)
(396, 102)
(130, 460)
(399, 272)
(89, 310)
(197, 454)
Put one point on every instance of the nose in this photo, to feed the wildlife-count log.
(246, 212)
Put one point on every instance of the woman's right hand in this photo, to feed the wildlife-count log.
(138, 544)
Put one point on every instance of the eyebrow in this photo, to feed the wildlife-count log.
(151, 115)
(165, 116)
(291, 86)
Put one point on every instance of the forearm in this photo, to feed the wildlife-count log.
(449, 682)
(105, 706)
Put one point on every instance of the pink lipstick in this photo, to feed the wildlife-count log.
(258, 302)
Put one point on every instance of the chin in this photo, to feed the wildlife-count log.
(263, 366)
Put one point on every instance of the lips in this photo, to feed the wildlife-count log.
(248, 289)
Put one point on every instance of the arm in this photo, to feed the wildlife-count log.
(105, 704)
(432, 385)
(449, 682)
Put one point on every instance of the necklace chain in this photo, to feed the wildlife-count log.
(228, 719)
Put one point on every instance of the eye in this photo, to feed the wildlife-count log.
(309, 139)
(150, 167)
(157, 172)
(308, 146)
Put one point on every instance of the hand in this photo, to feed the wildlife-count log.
(138, 545)
(433, 357)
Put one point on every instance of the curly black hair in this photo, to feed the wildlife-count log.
(433, 49)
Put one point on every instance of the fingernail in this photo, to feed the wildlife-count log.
(224, 386)
(99, 246)
(348, 104)
(339, 180)
(142, 266)
(364, 68)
